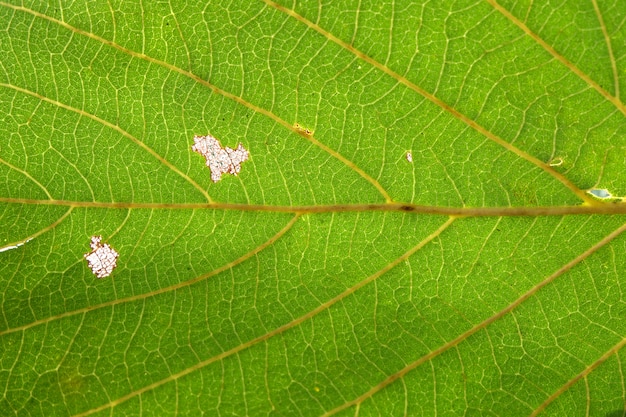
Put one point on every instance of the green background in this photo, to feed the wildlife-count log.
(299, 287)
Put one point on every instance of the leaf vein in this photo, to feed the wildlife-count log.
(614, 99)
(117, 129)
(335, 154)
(322, 307)
(485, 323)
(174, 287)
(437, 101)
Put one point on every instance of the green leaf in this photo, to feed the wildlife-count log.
(335, 275)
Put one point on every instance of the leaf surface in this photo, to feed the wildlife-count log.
(334, 275)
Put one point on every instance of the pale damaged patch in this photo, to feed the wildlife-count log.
(409, 156)
(219, 160)
(102, 259)
(556, 162)
(605, 195)
(601, 193)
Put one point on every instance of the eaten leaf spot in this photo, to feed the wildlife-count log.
(600, 193)
(102, 259)
(409, 156)
(219, 160)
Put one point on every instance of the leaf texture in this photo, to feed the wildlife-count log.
(333, 275)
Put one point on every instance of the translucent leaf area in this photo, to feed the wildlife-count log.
(428, 220)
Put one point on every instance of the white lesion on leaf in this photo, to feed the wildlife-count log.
(600, 193)
(220, 160)
(606, 195)
(102, 259)
(409, 156)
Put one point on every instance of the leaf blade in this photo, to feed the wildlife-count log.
(333, 273)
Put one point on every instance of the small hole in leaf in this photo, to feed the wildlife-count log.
(600, 193)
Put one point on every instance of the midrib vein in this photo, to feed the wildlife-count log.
(599, 208)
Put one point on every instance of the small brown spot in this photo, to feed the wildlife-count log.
(303, 130)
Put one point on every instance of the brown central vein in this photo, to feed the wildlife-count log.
(458, 115)
(464, 336)
(599, 208)
(282, 329)
(213, 88)
(174, 287)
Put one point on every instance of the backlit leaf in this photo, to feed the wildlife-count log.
(429, 221)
